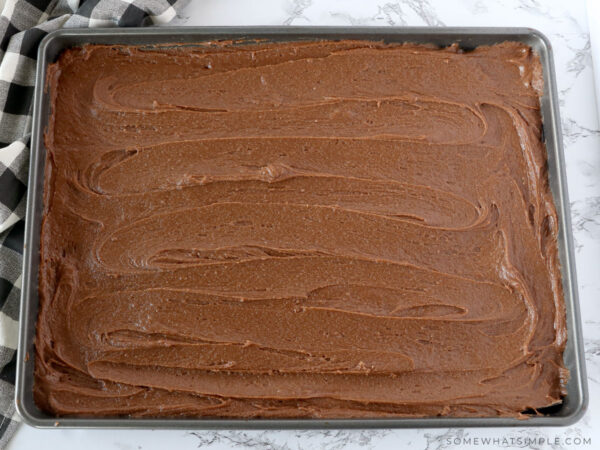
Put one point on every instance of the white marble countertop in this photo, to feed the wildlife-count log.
(565, 23)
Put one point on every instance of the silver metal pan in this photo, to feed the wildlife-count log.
(576, 399)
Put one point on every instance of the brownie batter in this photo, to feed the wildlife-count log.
(319, 229)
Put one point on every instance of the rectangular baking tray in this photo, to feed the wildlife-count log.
(576, 399)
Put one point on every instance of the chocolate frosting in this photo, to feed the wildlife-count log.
(318, 229)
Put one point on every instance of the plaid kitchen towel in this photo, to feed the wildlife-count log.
(23, 24)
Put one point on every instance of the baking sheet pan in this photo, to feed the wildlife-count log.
(567, 413)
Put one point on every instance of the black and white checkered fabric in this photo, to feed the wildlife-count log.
(23, 24)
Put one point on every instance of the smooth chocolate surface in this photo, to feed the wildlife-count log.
(318, 229)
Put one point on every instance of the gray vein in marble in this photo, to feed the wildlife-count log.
(297, 8)
(317, 439)
(581, 59)
(573, 131)
(534, 7)
(355, 21)
(339, 439)
(585, 220)
(425, 11)
(541, 8)
(395, 13)
(586, 216)
(592, 355)
(592, 348)
(389, 10)
(238, 439)
(439, 441)
(390, 13)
